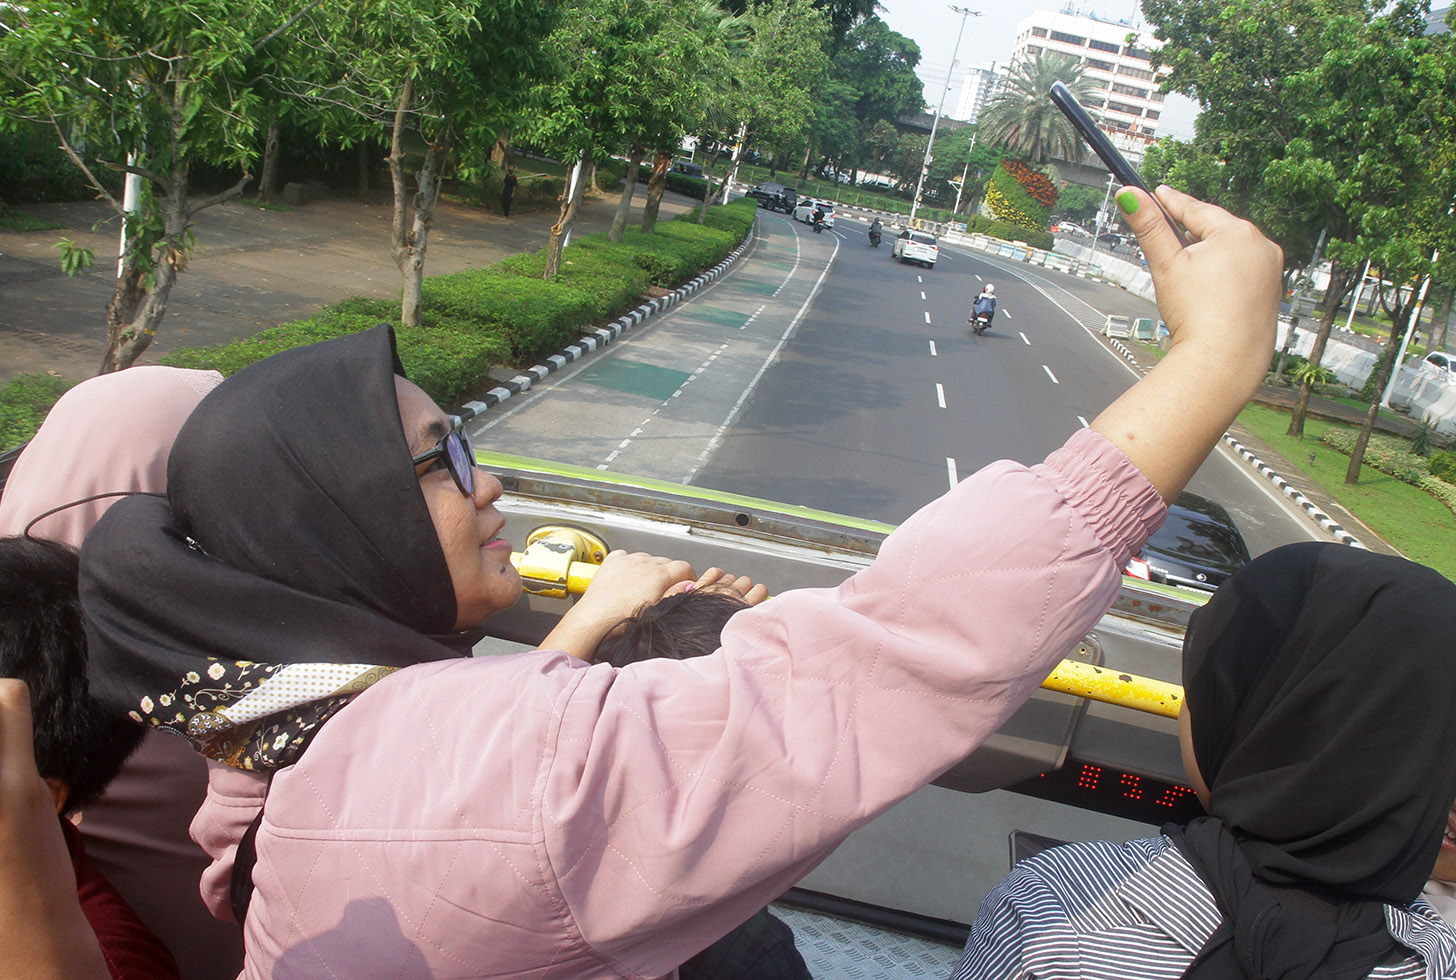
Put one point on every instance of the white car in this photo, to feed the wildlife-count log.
(916, 246)
(1439, 364)
(805, 211)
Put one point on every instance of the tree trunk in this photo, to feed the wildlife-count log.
(804, 168)
(570, 200)
(409, 234)
(656, 184)
(361, 170)
(1440, 319)
(1383, 368)
(136, 307)
(1342, 279)
(500, 153)
(624, 206)
(268, 177)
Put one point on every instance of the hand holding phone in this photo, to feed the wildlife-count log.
(1102, 146)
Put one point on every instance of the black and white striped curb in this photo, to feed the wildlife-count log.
(600, 337)
(1308, 506)
(1318, 516)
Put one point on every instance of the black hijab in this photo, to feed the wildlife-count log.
(293, 563)
(1320, 681)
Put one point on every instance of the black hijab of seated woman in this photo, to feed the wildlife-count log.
(1319, 687)
(292, 564)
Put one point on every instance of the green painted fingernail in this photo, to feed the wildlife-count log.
(1127, 201)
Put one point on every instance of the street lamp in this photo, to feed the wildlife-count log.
(930, 144)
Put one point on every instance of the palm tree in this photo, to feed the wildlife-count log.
(1025, 121)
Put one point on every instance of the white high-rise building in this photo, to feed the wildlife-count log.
(982, 83)
(1125, 102)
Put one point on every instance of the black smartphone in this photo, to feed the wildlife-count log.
(1102, 146)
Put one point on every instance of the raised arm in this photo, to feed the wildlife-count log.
(1220, 299)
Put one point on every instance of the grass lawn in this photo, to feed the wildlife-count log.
(253, 202)
(16, 221)
(1414, 522)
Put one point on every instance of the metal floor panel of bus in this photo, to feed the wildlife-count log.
(842, 949)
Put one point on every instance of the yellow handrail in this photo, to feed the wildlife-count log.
(547, 569)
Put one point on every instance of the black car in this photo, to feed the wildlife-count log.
(775, 197)
(1198, 546)
(1109, 238)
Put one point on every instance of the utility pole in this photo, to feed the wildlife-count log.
(964, 170)
(930, 144)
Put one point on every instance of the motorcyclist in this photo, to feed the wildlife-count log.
(875, 229)
(985, 303)
(817, 220)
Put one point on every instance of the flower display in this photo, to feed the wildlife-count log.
(1037, 184)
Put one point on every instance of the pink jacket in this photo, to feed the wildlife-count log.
(532, 816)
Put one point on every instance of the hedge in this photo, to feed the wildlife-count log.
(1035, 237)
(1392, 455)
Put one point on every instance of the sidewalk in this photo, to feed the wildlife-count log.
(252, 268)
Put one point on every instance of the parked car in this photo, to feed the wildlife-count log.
(1198, 547)
(775, 197)
(1072, 230)
(916, 246)
(1109, 238)
(1441, 365)
(687, 167)
(804, 211)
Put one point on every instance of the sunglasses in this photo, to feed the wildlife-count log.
(454, 452)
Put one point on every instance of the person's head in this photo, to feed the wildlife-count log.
(78, 748)
(1319, 681)
(989, 289)
(679, 626)
(310, 530)
(299, 469)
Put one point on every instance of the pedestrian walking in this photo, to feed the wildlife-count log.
(508, 190)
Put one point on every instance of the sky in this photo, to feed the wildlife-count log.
(933, 25)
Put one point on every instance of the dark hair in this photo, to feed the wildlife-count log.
(688, 624)
(43, 643)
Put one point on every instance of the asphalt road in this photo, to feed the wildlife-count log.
(822, 372)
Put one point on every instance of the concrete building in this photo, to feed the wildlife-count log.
(1125, 101)
(1436, 21)
(982, 83)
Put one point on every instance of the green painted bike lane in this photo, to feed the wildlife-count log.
(654, 402)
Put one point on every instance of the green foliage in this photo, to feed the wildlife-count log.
(1440, 489)
(33, 169)
(1077, 202)
(1388, 454)
(1306, 373)
(505, 313)
(1025, 121)
(19, 221)
(1443, 465)
(75, 259)
(1035, 237)
(1423, 436)
(24, 402)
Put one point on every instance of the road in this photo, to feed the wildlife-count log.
(822, 372)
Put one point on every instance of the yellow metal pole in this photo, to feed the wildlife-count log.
(1070, 676)
(1114, 687)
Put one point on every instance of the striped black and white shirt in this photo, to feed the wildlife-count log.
(1136, 911)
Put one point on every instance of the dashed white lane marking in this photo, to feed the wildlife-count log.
(950, 471)
(940, 394)
(919, 278)
(1085, 423)
(792, 269)
(1025, 341)
(922, 294)
(645, 422)
(927, 316)
(978, 278)
(772, 356)
(755, 315)
(932, 349)
(1006, 314)
(1050, 375)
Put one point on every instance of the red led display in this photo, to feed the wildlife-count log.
(1115, 792)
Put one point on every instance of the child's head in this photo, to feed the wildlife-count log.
(679, 626)
(78, 749)
(1318, 684)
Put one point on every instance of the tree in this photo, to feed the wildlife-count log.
(874, 79)
(1025, 121)
(149, 88)
(448, 76)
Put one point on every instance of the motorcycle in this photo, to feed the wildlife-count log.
(875, 239)
(980, 323)
(818, 224)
